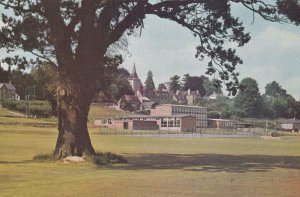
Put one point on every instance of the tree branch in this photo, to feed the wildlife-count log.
(134, 15)
(61, 42)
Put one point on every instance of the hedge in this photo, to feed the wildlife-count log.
(32, 108)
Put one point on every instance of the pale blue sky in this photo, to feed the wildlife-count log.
(167, 49)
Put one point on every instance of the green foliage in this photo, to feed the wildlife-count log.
(125, 105)
(220, 107)
(116, 86)
(211, 86)
(274, 134)
(24, 83)
(4, 75)
(161, 87)
(290, 8)
(273, 89)
(280, 106)
(267, 108)
(32, 108)
(149, 83)
(248, 101)
(174, 83)
(194, 83)
(143, 112)
(213, 114)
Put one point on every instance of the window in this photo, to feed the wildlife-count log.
(164, 122)
(177, 122)
(171, 123)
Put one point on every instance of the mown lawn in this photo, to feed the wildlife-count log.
(156, 166)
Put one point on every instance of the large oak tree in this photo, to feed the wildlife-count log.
(81, 39)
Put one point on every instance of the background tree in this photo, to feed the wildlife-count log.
(211, 86)
(273, 89)
(282, 104)
(161, 87)
(248, 100)
(23, 82)
(194, 83)
(81, 38)
(117, 87)
(4, 76)
(174, 83)
(149, 83)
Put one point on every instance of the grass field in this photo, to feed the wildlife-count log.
(156, 166)
(14, 118)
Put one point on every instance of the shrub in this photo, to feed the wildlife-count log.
(32, 108)
(274, 134)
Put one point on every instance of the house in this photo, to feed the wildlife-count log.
(214, 96)
(148, 105)
(220, 123)
(132, 100)
(170, 110)
(143, 122)
(8, 91)
(193, 97)
(291, 124)
(179, 97)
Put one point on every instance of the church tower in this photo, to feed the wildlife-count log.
(134, 80)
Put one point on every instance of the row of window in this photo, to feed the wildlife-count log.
(188, 110)
(170, 122)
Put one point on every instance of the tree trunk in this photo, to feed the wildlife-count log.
(74, 99)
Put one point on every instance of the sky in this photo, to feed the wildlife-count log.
(167, 49)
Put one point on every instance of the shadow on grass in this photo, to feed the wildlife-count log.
(211, 162)
(16, 162)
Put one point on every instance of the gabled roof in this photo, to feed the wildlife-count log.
(291, 121)
(131, 98)
(148, 103)
(9, 86)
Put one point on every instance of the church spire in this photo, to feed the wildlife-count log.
(133, 73)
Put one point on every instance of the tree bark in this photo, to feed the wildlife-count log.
(74, 100)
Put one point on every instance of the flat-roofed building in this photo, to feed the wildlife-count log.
(175, 122)
(170, 110)
(291, 125)
(220, 123)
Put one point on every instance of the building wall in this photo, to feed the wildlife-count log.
(199, 112)
(169, 123)
(161, 110)
(167, 110)
(135, 84)
(221, 124)
(6, 93)
(188, 123)
(144, 125)
(116, 124)
(290, 126)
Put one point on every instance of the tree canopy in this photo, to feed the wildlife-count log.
(248, 100)
(194, 83)
(81, 32)
(273, 89)
(174, 83)
(82, 40)
(149, 83)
